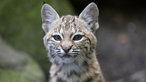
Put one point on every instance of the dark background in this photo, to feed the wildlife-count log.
(121, 47)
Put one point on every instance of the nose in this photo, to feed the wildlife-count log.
(66, 49)
(66, 45)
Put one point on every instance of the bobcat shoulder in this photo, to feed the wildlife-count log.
(70, 43)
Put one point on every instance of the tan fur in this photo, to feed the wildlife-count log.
(71, 43)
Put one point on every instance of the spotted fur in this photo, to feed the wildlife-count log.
(70, 43)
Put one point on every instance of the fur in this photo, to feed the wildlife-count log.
(70, 43)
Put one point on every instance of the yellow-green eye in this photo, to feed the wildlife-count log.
(57, 37)
(77, 37)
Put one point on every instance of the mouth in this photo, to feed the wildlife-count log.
(68, 56)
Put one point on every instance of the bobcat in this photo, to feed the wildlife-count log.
(70, 43)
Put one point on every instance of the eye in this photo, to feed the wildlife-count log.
(77, 37)
(57, 37)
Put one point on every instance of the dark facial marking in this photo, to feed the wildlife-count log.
(90, 79)
(74, 73)
(60, 80)
(85, 63)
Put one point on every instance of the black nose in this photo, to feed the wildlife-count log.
(66, 49)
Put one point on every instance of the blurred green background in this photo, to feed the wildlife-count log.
(20, 27)
(121, 48)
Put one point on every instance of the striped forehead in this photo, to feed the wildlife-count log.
(67, 25)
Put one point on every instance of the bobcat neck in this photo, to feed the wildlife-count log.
(86, 71)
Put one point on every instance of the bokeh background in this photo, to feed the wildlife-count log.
(121, 47)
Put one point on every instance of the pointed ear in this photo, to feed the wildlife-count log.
(90, 16)
(49, 15)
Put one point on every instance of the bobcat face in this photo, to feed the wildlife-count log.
(69, 39)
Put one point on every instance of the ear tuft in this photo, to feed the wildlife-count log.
(90, 16)
(49, 15)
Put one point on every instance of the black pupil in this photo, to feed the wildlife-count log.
(57, 37)
(77, 37)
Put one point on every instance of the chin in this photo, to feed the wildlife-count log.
(64, 61)
(68, 60)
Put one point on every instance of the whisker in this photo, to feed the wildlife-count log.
(75, 52)
(57, 49)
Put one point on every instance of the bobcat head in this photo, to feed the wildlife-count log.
(69, 39)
